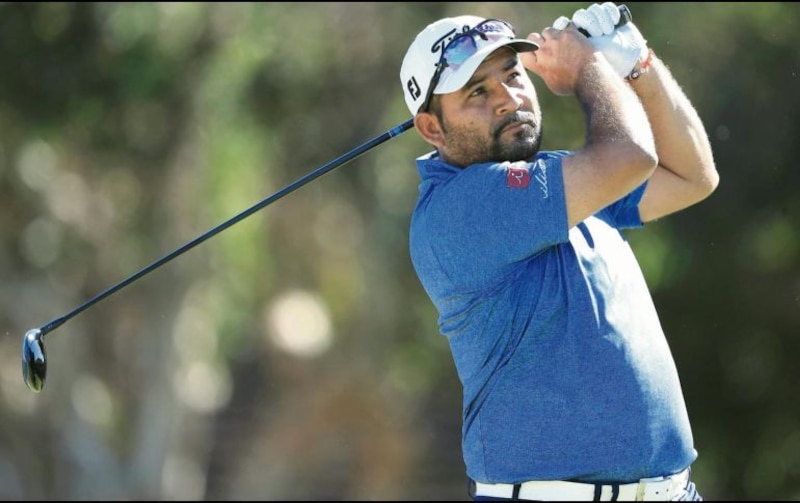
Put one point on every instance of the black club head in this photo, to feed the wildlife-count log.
(34, 362)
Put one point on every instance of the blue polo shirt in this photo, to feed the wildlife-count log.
(565, 369)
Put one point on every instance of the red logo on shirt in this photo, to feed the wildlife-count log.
(518, 177)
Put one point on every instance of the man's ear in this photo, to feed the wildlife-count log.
(429, 128)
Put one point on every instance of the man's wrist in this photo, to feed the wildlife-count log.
(641, 67)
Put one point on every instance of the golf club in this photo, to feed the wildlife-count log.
(34, 359)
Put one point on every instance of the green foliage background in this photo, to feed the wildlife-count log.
(127, 129)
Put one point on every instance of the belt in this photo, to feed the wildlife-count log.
(650, 489)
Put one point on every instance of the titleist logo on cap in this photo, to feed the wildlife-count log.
(441, 43)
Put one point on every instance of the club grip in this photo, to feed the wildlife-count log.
(624, 17)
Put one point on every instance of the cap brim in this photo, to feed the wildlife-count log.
(456, 80)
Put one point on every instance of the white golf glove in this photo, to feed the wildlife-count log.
(623, 47)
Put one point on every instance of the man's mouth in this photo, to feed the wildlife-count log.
(514, 124)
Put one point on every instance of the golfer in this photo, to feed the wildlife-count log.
(570, 391)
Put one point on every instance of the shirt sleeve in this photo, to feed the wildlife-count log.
(491, 216)
(624, 214)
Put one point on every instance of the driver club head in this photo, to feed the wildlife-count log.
(34, 362)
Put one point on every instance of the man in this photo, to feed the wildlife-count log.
(570, 389)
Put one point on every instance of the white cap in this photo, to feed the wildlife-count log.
(423, 55)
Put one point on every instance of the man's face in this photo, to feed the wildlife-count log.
(494, 117)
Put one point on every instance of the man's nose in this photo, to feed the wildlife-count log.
(510, 99)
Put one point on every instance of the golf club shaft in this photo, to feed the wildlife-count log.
(344, 158)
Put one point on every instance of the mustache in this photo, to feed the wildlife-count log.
(518, 116)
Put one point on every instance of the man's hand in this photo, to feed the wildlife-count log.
(560, 59)
(622, 46)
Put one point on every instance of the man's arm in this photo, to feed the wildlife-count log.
(619, 153)
(686, 173)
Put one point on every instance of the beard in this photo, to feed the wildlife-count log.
(521, 145)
